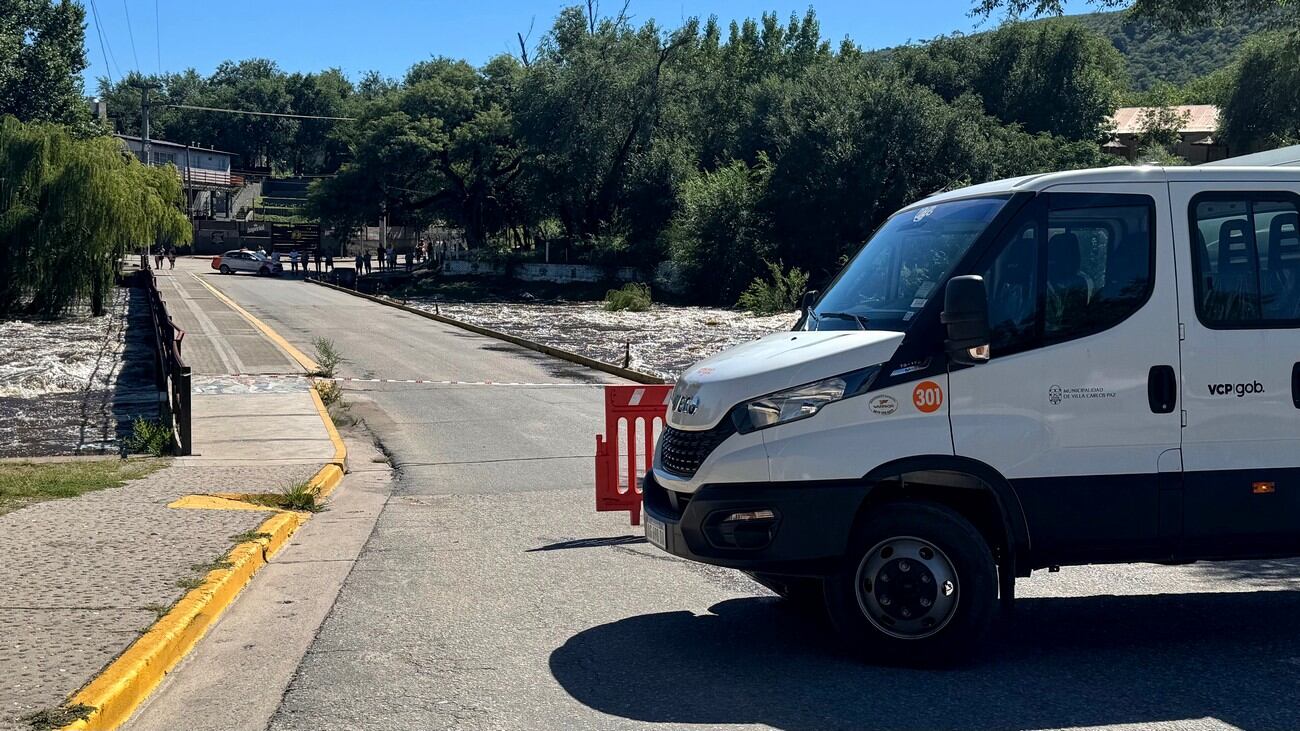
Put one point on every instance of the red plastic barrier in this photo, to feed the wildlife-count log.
(634, 416)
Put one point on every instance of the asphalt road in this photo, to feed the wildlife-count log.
(490, 595)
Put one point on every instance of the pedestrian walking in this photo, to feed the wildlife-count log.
(158, 257)
(293, 261)
(358, 264)
(379, 254)
(367, 262)
(392, 257)
(171, 258)
(409, 263)
(317, 255)
(329, 261)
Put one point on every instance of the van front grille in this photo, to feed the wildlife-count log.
(682, 452)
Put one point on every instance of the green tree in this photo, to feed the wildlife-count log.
(721, 234)
(438, 148)
(42, 56)
(69, 210)
(1160, 121)
(588, 110)
(1262, 108)
(858, 143)
(1058, 77)
(1172, 14)
(316, 148)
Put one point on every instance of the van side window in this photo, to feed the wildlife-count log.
(1246, 254)
(1074, 266)
(1012, 284)
(1098, 268)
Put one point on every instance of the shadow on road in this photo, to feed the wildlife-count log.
(554, 367)
(1059, 663)
(590, 543)
(1276, 573)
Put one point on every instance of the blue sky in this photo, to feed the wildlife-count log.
(390, 35)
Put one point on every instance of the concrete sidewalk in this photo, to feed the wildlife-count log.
(81, 579)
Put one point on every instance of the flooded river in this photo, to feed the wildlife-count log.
(72, 386)
(663, 340)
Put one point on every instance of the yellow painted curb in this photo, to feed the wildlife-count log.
(329, 476)
(117, 691)
(221, 501)
(121, 687)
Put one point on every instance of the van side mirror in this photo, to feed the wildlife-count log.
(808, 300)
(966, 318)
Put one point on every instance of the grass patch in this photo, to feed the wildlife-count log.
(249, 535)
(55, 718)
(149, 436)
(777, 294)
(632, 296)
(328, 358)
(301, 496)
(330, 393)
(190, 583)
(24, 483)
(206, 568)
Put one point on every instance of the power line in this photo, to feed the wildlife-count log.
(157, 35)
(257, 114)
(130, 33)
(104, 44)
(99, 31)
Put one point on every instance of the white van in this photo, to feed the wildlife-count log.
(1098, 366)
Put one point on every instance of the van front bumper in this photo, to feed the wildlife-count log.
(729, 525)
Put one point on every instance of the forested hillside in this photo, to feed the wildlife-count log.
(1155, 55)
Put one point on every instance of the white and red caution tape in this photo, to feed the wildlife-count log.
(288, 376)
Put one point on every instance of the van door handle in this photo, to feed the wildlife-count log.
(1295, 384)
(1162, 389)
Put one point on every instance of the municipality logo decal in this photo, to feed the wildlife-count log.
(1056, 394)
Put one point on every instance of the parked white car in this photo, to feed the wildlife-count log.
(242, 260)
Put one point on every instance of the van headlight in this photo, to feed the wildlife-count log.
(801, 402)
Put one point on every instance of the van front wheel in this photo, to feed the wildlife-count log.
(917, 586)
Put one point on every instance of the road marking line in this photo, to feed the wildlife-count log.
(307, 363)
(229, 358)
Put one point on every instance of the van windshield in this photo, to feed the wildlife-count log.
(889, 280)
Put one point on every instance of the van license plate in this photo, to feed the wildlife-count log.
(656, 532)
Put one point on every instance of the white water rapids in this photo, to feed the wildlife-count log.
(64, 356)
(663, 340)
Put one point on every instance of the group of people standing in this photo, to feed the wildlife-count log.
(164, 252)
(387, 258)
(305, 257)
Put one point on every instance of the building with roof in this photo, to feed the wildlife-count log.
(1197, 141)
(205, 173)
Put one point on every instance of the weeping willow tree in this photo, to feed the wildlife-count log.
(70, 209)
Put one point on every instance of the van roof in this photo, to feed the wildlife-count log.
(1119, 175)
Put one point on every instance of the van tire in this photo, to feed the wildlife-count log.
(799, 591)
(937, 548)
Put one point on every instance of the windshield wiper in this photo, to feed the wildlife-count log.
(861, 320)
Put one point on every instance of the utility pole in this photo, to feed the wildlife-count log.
(189, 207)
(145, 87)
(147, 149)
